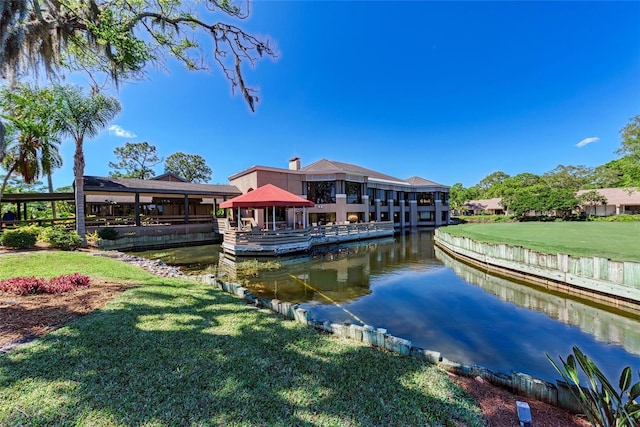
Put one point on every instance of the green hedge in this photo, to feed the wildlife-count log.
(22, 237)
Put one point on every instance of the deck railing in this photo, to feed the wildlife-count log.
(315, 233)
(109, 221)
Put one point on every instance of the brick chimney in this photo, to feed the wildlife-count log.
(294, 164)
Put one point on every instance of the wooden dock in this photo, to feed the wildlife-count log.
(288, 241)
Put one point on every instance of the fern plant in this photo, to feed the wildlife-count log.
(603, 405)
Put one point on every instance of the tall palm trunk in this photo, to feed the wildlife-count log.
(53, 203)
(78, 171)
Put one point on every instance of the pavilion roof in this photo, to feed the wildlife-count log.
(267, 196)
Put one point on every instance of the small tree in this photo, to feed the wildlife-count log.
(592, 198)
(136, 160)
(191, 167)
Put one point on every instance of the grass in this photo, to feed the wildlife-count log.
(614, 240)
(175, 352)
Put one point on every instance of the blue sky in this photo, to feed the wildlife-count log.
(449, 91)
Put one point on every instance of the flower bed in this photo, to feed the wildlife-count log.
(36, 285)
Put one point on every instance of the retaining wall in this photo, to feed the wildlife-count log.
(558, 394)
(160, 237)
(612, 282)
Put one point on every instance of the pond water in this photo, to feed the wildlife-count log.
(415, 291)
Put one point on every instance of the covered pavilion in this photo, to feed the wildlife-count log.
(268, 196)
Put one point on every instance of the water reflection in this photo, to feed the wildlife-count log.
(605, 324)
(440, 304)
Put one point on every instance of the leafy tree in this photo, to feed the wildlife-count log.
(592, 198)
(569, 177)
(83, 116)
(118, 38)
(622, 172)
(491, 185)
(458, 196)
(630, 143)
(136, 160)
(191, 167)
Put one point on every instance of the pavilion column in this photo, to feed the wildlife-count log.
(136, 208)
(238, 219)
(273, 218)
(186, 209)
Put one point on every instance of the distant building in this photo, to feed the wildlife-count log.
(343, 192)
(485, 206)
(619, 201)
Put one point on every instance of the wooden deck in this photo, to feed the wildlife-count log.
(281, 242)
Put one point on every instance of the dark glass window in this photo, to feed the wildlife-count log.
(425, 199)
(372, 196)
(321, 192)
(354, 192)
(426, 216)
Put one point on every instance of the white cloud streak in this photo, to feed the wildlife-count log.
(122, 133)
(587, 141)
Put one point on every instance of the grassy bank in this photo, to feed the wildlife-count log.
(174, 352)
(615, 240)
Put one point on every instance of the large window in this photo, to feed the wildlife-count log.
(321, 192)
(325, 218)
(425, 199)
(354, 192)
(372, 196)
(426, 216)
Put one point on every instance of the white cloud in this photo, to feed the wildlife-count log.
(122, 133)
(587, 141)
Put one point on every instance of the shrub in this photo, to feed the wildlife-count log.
(108, 233)
(93, 238)
(35, 285)
(22, 237)
(62, 239)
(21, 285)
(601, 402)
(65, 283)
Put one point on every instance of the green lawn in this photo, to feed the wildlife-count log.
(618, 241)
(171, 352)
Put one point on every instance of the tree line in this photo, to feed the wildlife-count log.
(137, 159)
(555, 190)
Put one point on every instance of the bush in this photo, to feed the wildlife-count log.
(35, 285)
(602, 404)
(22, 237)
(108, 233)
(21, 285)
(616, 218)
(62, 239)
(65, 283)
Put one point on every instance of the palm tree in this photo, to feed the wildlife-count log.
(31, 112)
(83, 116)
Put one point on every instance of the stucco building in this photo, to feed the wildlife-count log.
(344, 192)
